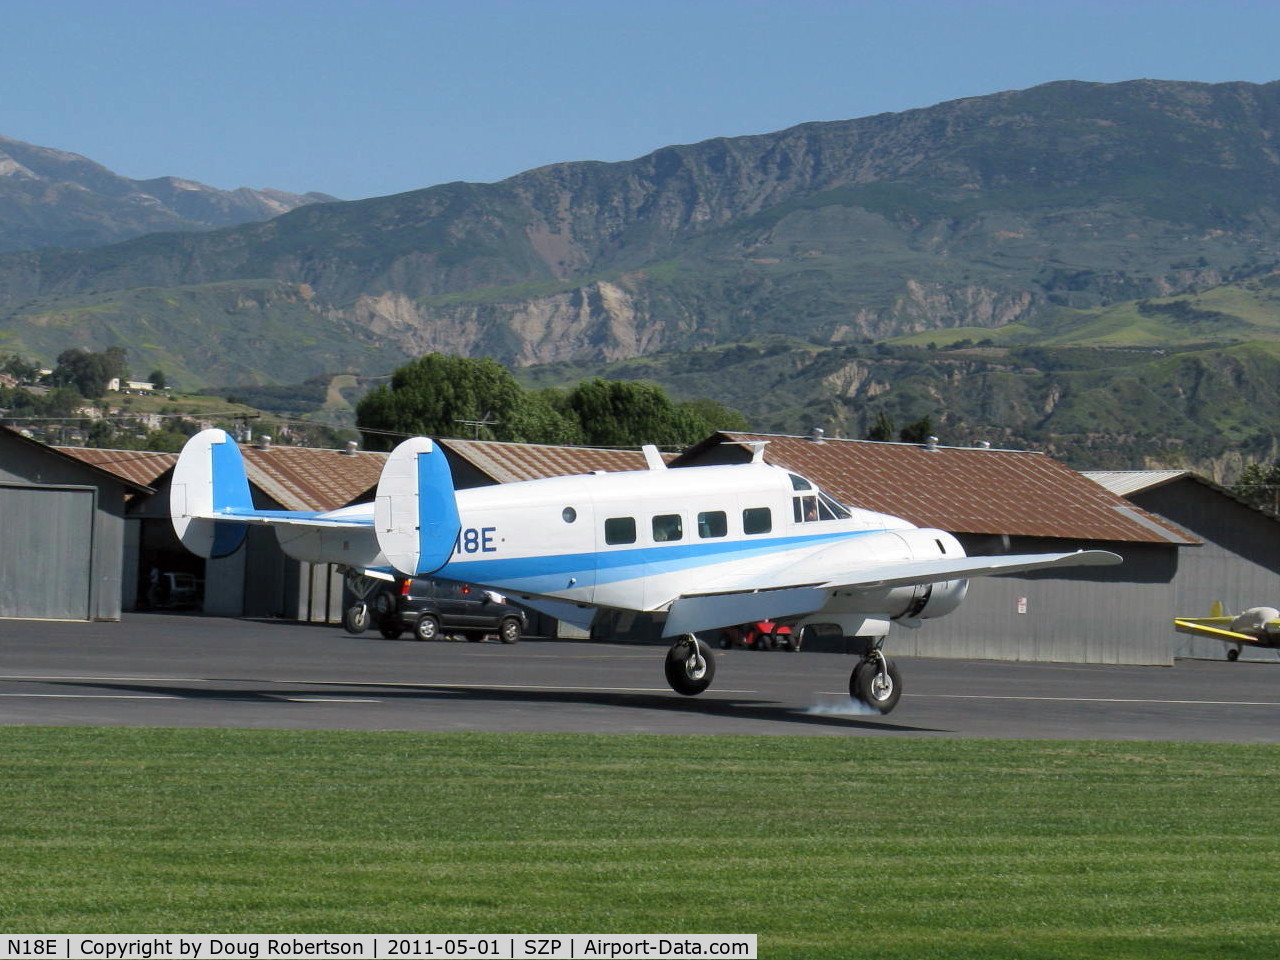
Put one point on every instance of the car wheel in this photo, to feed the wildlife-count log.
(427, 628)
(392, 631)
(509, 630)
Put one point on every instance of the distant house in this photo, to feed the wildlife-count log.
(1239, 563)
(116, 385)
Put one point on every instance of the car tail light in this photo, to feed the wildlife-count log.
(404, 587)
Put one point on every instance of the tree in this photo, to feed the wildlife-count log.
(89, 373)
(157, 379)
(625, 413)
(1259, 485)
(441, 396)
(882, 429)
(917, 432)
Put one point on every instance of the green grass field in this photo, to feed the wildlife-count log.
(824, 847)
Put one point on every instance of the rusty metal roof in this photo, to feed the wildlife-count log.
(959, 489)
(297, 478)
(307, 478)
(142, 467)
(509, 462)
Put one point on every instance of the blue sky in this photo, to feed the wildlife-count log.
(361, 98)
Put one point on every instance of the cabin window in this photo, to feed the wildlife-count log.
(713, 523)
(667, 527)
(757, 520)
(799, 483)
(620, 530)
(804, 509)
(569, 514)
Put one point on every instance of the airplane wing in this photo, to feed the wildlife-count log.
(1214, 628)
(768, 594)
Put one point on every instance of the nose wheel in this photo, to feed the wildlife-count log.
(876, 682)
(690, 667)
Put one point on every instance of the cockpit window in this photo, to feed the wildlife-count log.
(818, 506)
(800, 483)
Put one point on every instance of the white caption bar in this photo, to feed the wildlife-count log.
(475, 946)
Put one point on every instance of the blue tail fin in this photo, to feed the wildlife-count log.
(416, 513)
(209, 479)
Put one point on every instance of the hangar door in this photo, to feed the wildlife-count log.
(46, 551)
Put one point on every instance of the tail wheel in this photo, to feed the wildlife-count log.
(355, 619)
(427, 628)
(509, 630)
(690, 667)
(877, 683)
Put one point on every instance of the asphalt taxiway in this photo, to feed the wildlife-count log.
(173, 670)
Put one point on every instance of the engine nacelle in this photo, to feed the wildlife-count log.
(905, 604)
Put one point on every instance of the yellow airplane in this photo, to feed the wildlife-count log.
(1257, 626)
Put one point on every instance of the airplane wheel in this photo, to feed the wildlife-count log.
(878, 690)
(355, 619)
(1233, 655)
(684, 672)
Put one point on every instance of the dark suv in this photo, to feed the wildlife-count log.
(431, 607)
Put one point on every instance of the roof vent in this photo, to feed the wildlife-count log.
(264, 442)
(816, 434)
(931, 443)
(352, 447)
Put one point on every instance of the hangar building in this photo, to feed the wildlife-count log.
(1239, 563)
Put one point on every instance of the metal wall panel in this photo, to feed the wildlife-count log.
(46, 552)
(1238, 565)
(1090, 615)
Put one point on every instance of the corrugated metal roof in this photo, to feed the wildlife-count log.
(297, 478)
(509, 462)
(1125, 482)
(142, 467)
(962, 489)
(306, 478)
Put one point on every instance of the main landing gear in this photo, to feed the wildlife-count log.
(356, 618)
(876, 682)
(690, 666)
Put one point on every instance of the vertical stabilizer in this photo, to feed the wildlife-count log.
(209, 479)
(416, 513)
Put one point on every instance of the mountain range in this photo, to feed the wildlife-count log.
(51, 198)
(803, 274)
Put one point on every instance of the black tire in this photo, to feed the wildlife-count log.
(726, 641)
(1233, 654)
(355, 619)
(426, 628)
(390, 630)
(866, 685)
(764, 641)
(683, 677)
(509, 630)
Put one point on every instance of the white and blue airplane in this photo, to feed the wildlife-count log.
(699, 548)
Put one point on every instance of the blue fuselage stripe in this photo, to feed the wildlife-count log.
(610, 566)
